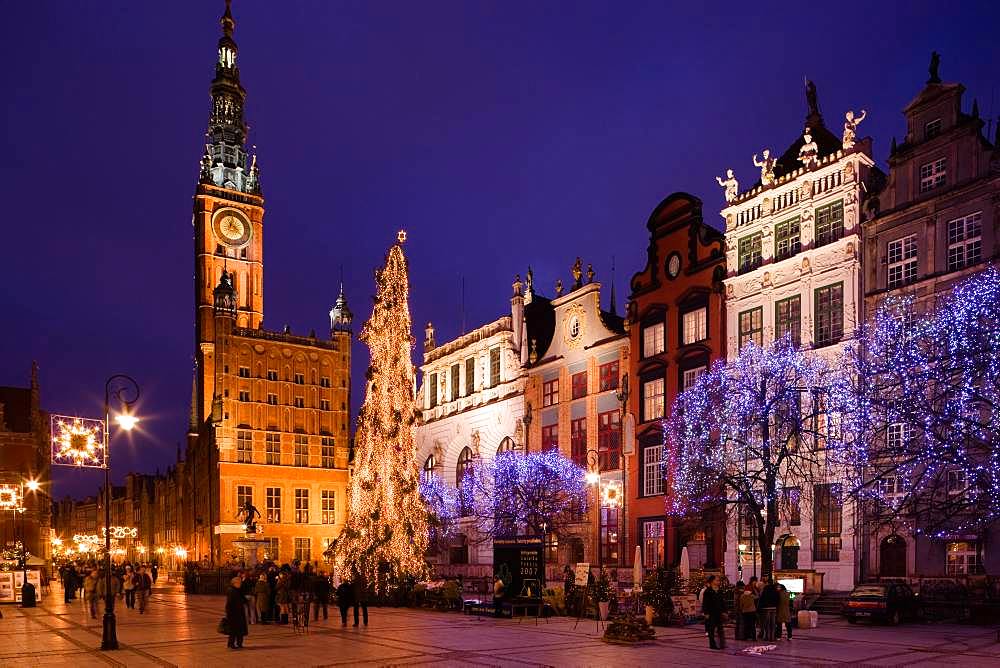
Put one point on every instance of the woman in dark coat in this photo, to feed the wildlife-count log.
(236, 618)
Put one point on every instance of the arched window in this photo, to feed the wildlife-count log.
(506, 445)
(464, 464)
(429, 465)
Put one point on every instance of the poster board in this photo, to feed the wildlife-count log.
(519, 562)
(11, 583)
(581, 574)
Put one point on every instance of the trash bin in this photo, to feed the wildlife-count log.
(28, 595)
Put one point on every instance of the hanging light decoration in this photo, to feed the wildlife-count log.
(77, 441)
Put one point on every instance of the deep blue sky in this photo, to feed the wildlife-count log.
(499, 134)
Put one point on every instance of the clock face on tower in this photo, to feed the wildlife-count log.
(231, 228)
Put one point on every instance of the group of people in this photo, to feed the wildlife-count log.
(269, 594)
(89, 581)
(762, 609)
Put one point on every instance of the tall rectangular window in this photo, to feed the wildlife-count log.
(791, 505)
(244, 372)
(303, 549)
(787, 239)
(750, 252)
(327, 452)
(272, 498)
(272, 448)
(965, 241)
(244, 495)
(272, 398)
(300, 402)
(578, 384)
(324, 404)
(828, 507)
(901, 256)
(608, 376)
(272, 374)
(324, 381)
(752, 326)
(788, 319)
(470, 376)
(694, 325)
(244, 447)
(829, 315)
(455, 372)
(653, 342)
(652, 399)
(829, 223)
(550, 392)
(271, 549)
(578, 441)
(609, 535)
(962, 558)
(244, 395)
(302, 506)
(932, 128)
(494, 366)
(690, 376)
(652, 471)
(609, 441)
(300, 379)
(550, 437)
(653, 543)
(433, 394)
(933, 174)
(301, 450)
(329, 508)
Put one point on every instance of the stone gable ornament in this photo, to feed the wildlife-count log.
(850, 128)
(516, 285)
(766, 165)
(559, 287)
(529, 286)
(731, 185)
(809, 153)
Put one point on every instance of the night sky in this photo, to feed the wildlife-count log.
(498, 134)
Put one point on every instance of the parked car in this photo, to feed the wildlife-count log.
(889, 603)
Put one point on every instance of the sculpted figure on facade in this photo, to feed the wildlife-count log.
(850, 127)
(577, 272)
(474, 443)
(559, 287)
(766, 165)
(731, 185)
(809, 153)
(206, 165)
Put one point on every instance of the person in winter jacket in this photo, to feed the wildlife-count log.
(767, 606)
(236, 619)
(713, 606)
(262, 594)
(321, 594)
(784, 616)
(129, 586)
(345, 600)
(143, 586)
(747, 610)
(359, 592)
(283, 596)
(90, 594)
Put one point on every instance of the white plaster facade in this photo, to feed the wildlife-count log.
(832, 183)
(480, 415)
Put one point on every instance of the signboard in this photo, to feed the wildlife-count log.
(793, 585)
(520, 564)
(11, 582)
(581, 575)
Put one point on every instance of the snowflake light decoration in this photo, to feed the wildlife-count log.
(78, 441)
(10, 497)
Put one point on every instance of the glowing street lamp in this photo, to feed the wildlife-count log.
(33, 485)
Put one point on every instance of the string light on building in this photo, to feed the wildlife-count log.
(121, 532)
(611, 495)
(10, 497)
(77, 441)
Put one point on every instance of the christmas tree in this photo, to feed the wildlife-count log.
(386, 533)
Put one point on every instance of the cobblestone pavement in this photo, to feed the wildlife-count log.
(180, 631)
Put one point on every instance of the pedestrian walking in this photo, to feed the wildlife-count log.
(154, 572)
(248, 589)
(236, 621)
(713, 607)
(90, 592)
(784, 616)
(767, 606)
(128, 585)
(262, 594)
(746, 610)
(344, 600)
(359, 593)
(283, 596)
(321, 594)
(143, 585)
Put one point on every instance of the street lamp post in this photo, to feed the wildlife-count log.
(125, 391)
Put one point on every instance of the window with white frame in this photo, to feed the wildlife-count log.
(933, 174)
(271, 548)
(652, 472)
(690, 376)
(898, 436)
(957, 483)
(653, 543)
(962, 558)
(902, 260)
(244, 447)
(652, 399)
(303, 551)
(695, 325)
(652, 339)
(890, 487)
(273, 507)
(329, 506)
(244, 495)
(302, 506)
(932, 128)
(965, 241)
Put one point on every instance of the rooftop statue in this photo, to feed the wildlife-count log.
(731, 185)
(850, 127)
(932, 69)
(766, 167)
(809, 153)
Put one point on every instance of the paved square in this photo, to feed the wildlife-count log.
(178, 630)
